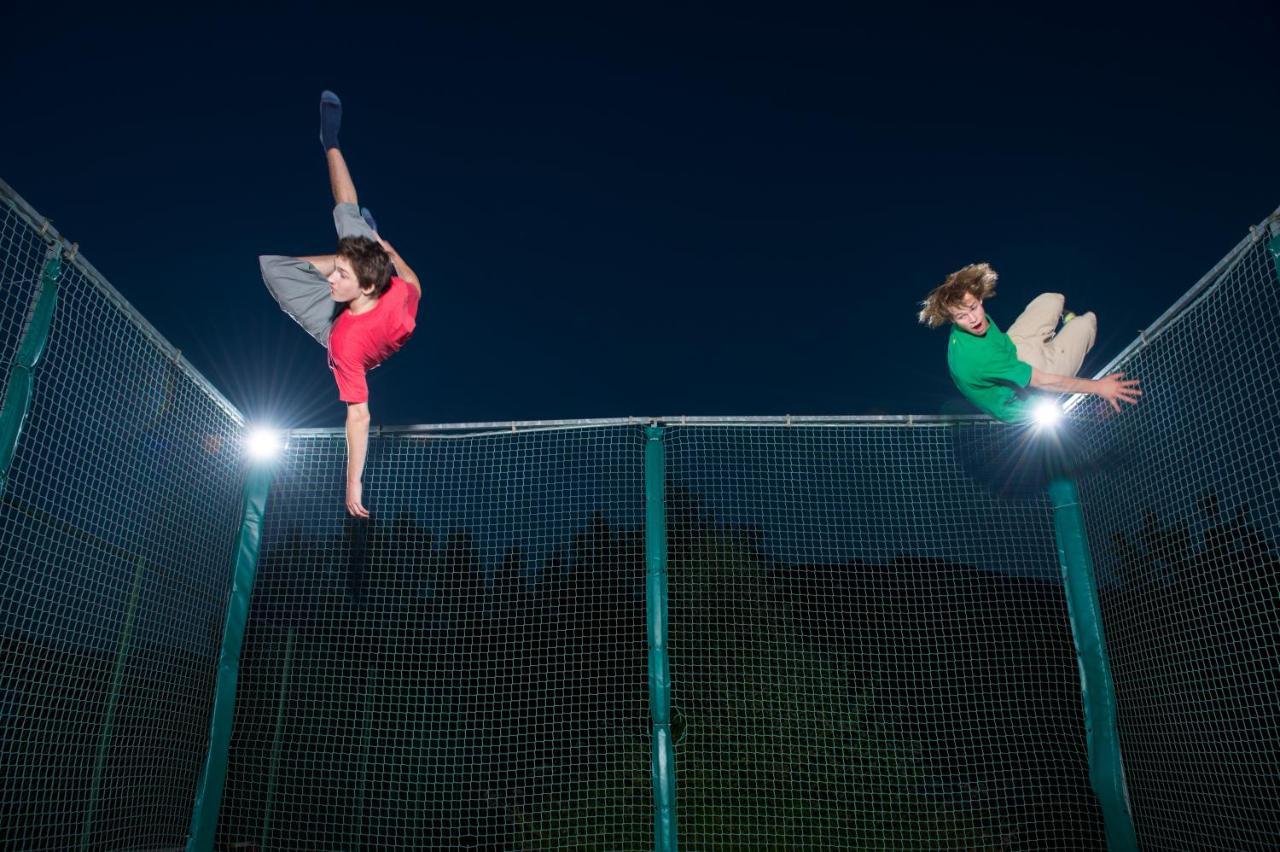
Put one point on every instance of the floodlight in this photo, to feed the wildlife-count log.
(263, 443)
(1046, 413)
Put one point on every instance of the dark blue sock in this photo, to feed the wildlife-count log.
(330, 119)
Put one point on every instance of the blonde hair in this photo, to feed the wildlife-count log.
(976, 278)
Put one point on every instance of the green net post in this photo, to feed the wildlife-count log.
(1106, 771)
(664, 771)
(1274, 247)
(274, 767)
(204, 817)
(17, 397)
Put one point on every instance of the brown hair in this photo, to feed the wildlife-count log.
(976, 278)
(370, 261)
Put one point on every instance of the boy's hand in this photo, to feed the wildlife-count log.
(388, 249)
(354, 507)
(1116, 389)
(401, 268)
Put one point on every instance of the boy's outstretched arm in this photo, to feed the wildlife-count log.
(1115, 388)
(357, 448)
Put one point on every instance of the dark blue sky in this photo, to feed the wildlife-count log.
(657, 211)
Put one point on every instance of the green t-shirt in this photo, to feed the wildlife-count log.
(987, 371)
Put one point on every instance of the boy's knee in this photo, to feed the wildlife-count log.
(1092, 319)
(275, 265)
(1088, 319)
(1055, 300)
(267, 263)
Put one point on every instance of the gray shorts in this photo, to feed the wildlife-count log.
(303, 293)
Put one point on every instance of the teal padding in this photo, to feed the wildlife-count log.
(113, 700)
(1274, 247)
(13, 412)
(655, 530)
(17, 394)
(1106, 770)
(204, 816)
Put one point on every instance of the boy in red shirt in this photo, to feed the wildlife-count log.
(360, 302)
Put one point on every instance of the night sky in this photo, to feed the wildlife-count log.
(654, 211)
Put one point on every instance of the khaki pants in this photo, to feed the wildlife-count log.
(1033, 336)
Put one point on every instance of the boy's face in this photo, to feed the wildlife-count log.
(969, 315)
(343, 284)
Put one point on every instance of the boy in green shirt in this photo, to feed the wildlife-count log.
(997, 371)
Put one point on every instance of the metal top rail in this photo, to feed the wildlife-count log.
(44, 227)
(458, 430)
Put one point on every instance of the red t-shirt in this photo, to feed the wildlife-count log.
(360, 342)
